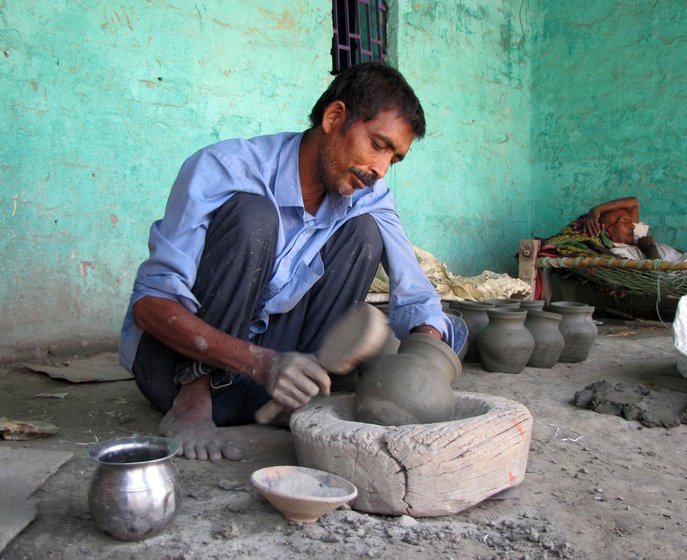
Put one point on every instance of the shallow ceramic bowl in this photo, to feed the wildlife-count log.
(303, 494)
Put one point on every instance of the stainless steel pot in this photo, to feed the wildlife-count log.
(134, 492)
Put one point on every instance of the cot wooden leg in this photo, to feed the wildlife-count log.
(527, 254)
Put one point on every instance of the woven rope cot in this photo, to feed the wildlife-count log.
(647, 277)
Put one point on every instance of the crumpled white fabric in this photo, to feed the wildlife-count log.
(452, 287)
(680, 335)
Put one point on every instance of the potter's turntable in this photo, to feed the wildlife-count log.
(421, 470)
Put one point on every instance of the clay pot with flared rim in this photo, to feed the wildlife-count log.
(503, 302)
(534, 304)
(411, 387)
(578, 329)
(476, 319)
(548, 339)
(505, 345)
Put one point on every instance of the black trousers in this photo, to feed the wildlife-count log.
(234, 269)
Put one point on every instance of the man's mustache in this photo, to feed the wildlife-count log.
(367, 179)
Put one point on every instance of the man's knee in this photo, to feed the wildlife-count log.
(244, 218)
(255, 211)
(362, 233)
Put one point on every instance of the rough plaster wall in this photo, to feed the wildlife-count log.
(104, 101)
(101, 104)
(609, 94)
(466, 196)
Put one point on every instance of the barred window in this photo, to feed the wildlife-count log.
(359, 32)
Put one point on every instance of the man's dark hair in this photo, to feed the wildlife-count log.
(368, 88)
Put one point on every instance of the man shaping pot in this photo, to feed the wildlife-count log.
(264, 244)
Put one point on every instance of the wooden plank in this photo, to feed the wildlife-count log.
(527, 254)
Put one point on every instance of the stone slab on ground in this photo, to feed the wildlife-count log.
(22, 472)
(103, 367)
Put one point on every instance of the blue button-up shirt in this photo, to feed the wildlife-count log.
(268, 166)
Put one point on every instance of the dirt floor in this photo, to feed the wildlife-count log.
(597, 486)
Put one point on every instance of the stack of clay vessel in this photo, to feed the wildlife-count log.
(475, 316)
(413, 386)
(505, 345)
(548, 339)
(578, 329)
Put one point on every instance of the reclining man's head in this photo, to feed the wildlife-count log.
(619, 226)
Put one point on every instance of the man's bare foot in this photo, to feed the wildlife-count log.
(189, 422)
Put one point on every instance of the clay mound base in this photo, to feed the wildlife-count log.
(422, 470)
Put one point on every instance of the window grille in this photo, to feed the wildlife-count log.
(359, 32)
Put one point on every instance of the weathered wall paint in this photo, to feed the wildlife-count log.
(101, 104)
(466, 196)
(609, 94)
(531, 107)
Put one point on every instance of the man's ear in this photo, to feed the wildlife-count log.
(334, 116)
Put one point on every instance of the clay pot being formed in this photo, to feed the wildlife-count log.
(505, 345)
(411, 387)
(578, 329)
(476, 319)
(436, 354)
(548, 339)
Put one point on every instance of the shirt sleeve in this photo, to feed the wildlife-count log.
(205, 182)
(413, 301)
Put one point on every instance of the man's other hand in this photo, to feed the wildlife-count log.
(293, 379)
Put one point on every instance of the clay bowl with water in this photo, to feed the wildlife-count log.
(303, 494)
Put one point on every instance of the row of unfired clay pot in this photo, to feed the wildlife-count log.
(507, 335)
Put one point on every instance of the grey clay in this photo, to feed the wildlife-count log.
(410, 387)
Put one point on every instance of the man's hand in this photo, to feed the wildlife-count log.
(293, 379)
(647, 245)
(591, 226)
(427, 329)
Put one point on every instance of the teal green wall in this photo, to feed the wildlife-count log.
(535, 110)
(469, 64)
(101, 104)
(609, 87)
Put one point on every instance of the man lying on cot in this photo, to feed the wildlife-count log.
(609, 229)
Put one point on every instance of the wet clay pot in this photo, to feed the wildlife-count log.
(410, 387)
(505, 345)
(578, 329)
(532, 304)
(475, 317)
(548, 339)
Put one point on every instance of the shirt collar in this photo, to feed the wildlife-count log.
(287, 184)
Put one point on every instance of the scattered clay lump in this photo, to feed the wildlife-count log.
(661, 408)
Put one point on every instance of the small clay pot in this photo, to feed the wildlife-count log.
(532, 304)
(505, 345)
(578, 329)
(548, 339)
(476, 319)
(501, 302)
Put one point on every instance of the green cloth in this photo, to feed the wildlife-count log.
(571, 241)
